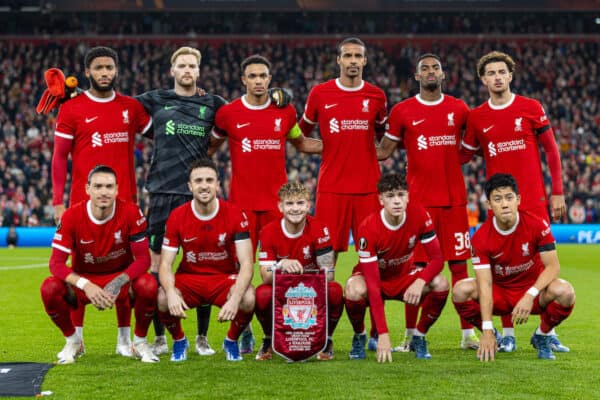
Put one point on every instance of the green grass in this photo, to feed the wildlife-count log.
(28, 335)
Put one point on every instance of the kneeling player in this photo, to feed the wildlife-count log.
(109, 257)
(516, 272)
(299, 244)
(212, 234)
(386, 271)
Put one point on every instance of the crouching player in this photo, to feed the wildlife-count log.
(299, 244)
(516, 272)
(109, 255)
(387, 240)
(213, 234)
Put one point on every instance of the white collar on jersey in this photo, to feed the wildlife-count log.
(291, 235)
(502, 106)
(99, 99)
(429, 103)
(205, 217)
(88, 206)
(388, 225)
(509, 231)
(251, 107)
(349, 89)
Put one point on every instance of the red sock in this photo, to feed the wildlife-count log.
(507, 321)
(239, 323)
(458, 270)
(78, 314)
(470, 311)
(335, 301)
(433, 304)
(145, 289)
(54, 292)
(123, 307)
(264, 308)
(173, 324)
(553, 315)
(356, 314)
(411, 314)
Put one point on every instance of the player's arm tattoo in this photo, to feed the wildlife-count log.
(114, 287)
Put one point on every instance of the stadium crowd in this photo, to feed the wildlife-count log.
(562, 74)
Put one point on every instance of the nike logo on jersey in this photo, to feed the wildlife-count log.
(328, 106)
(488, 128)
(460, 253)
(415, 123)
(86, 241)
(242, 125)
(88, 120)
(169, 107)
(187, 240)
(498, 255)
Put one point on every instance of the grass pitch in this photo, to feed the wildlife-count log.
(28, 335)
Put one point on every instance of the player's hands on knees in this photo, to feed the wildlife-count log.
(228, 311)
(522, 310)
(177, 305)
(99, 297)
(487, 346)
(114, 287)
(384, 348)
(291, 266)
(412, 295)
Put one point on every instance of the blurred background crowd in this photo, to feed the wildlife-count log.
(559, 71)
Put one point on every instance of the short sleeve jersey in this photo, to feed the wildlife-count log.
(513, 255)
(102, 131)
(208, 242)
(181, 128)
(257, 137)
(431, 133)
(508, 136)
(100, 247)
(276, 244)
(347, 118)
(393, 246)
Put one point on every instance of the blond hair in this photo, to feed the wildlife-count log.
(185, 51)
(495, 56)
(293, 190)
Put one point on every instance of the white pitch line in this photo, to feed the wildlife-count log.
(30, 266)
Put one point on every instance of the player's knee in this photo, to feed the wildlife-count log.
(145, 287)
(163, 305)
(248, 300)
(463, 290)
(264, 296)
(440, 284)
(356, 289)
(51, 289)
(335, 292)
(563, 292)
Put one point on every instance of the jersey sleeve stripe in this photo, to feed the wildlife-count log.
(543, 129)
(368, 260)
(547, 247)
(427, 237)
(148, 125)
(61, 248)
(63, 135)
(308, 120)
(170, 248)
(325, 250)
(482, 266)
(138, 237)
(382, 121)
(392, 137)
(468, 146)
(241, 236)
(216, 135)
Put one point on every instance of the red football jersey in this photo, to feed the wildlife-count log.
(513, 255)
(100, 247)
(257, 137)
(431, 133)
(277, 244)
(347, 118)
(393, 246)
(102, 131)
(208, 243)
(508, 137)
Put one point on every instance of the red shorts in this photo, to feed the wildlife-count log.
(505, 300)
(342, 212)
(199, 289)
(452, 230)
(393, 289)
(257, 220)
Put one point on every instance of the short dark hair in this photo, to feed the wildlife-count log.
(255, 59)
(499, 181)
(352, 40)
(428, 55)
(100, 51)
(389, 182)
(101, 168)
(202, 163)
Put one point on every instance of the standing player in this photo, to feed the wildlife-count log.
(213, 235)
(298, 244)
(106, 238)
(386, 270)
(516, 272)
(430, 126)
(182, 121)
(97, 127)
(508, 129)
(348, 111)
